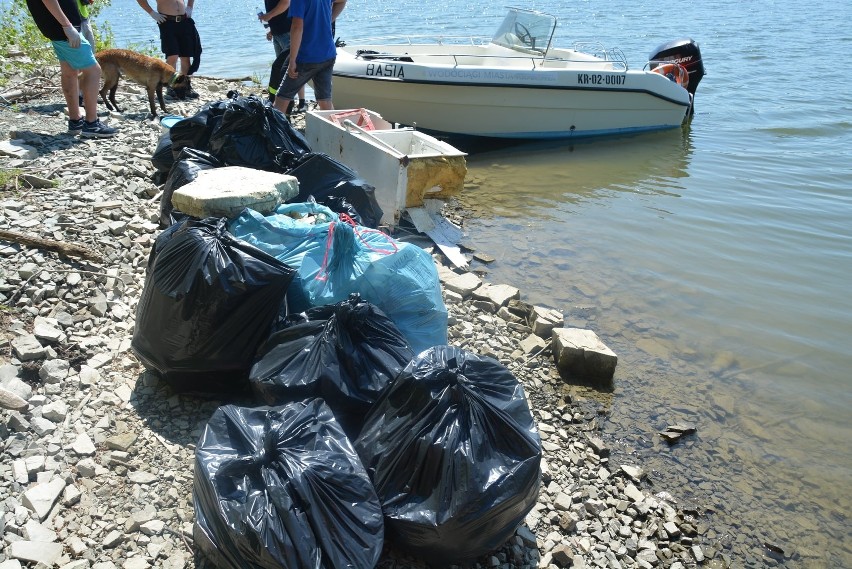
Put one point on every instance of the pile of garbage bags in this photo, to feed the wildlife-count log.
(243, 131)
(358, 424)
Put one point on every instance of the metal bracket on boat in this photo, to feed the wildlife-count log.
(350, 126)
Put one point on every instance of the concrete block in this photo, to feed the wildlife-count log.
(581, 353)
(463, 284)
(225, 192)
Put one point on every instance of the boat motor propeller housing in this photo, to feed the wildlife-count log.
(685, 52)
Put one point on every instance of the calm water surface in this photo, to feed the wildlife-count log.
(715, 260)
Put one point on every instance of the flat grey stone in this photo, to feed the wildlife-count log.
(27, 348)
(34, 531)
(83, 445)
(112, 539)
(121, 441)
(17, 386)
(11, 400)
(47, 329)
(36, 551)
(142, 477)
(463, 284)
(499, 295)
(532, 345)
(152, 527)
(634, 493)
(55, 411)
(17, 149)
(135, 563)
(544, 320)
(136, 519)
(54, 371)
(40, 498)
(87, 468)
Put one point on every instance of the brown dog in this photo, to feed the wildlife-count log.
(150, 72)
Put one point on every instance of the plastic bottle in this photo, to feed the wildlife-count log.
(259, 14)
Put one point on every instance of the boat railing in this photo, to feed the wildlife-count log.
(612, 56)
(532, 61)
(421, 40)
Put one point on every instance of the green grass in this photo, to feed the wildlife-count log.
(9, 178)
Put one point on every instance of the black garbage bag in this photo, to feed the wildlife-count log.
(283, 488)
(195, 131)
(163, 159)
(207, 304)
(454, 454)
(190, 162)
(242, 131)
(347, 353)
(324, 179)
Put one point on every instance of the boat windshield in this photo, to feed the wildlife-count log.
(526, 31)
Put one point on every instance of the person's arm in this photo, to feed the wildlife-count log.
(336, 8)
(188, 8)
(71, 33)
(55, 11)
(279, 9)
(159, 18)
(296, 28)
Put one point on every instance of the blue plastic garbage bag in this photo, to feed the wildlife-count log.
(335, 258)
(282, 487)
(454, 454)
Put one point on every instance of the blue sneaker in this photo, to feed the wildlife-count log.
(75, 126)
(97, 129)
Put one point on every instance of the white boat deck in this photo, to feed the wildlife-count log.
(488, 55)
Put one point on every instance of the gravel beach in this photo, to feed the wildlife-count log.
(97, 465)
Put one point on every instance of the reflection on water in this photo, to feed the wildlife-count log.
(566, 173)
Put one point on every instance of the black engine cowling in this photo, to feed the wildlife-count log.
(685, 52)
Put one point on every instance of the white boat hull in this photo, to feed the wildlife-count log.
(514, 86)
(523, 111)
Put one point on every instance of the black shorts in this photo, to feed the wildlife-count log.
(178, 38)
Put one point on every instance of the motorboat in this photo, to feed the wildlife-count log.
(516, 84)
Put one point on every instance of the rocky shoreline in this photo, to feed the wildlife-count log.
(98, 456)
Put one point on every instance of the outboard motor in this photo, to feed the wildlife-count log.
(685, 52)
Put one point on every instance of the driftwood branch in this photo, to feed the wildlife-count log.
(65, 249)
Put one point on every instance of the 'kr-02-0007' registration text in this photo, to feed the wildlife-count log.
(600, 79)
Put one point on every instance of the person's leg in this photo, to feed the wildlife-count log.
(282, 102)
(71, 62)
(288, 89)
(70, 89)
(90, 84)
(322, 85)
(186, 40)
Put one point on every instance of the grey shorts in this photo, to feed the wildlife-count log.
(319, 73)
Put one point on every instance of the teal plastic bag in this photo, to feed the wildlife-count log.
(334, 257)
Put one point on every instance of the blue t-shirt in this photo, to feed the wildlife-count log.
(317, 39)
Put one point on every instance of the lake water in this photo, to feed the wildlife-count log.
(716, 259)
